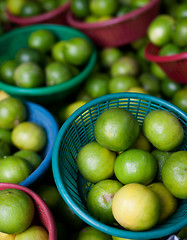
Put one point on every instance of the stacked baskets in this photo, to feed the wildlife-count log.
(64, 145)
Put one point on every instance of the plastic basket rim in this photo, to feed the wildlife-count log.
(46, 161)
(150, 234)
(38, 18)
(116, 20)
(37, 199)
(163, 59)
(47, 90)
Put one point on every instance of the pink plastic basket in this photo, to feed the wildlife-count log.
(121, 30)
(56, 16)
(43, 215)
(174, 66)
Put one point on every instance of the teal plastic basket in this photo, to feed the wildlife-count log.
(78, 130)
(16, 39)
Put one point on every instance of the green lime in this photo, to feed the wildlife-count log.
(116, 129)
(124, 66)
(103, 7)
(12, 112)
(150, 83)
(14, 6)
(142, 142)
(72, 107)
(57, 73)
(33, 232)
(163, 130)
(5, 236)
(30, 9)
(48, 5)
(17, 208)
(4, 149)
(58, 51)
(179, 33)
(167, 201)
(32, 157)
(160, 157)
(139, 3)
(90, 19)
(169, 87)
(157, 71)
(29, 55)
(99, 200)
(122, 83)
(29, 75)
(77, 51)
(169, 49)
(159, 31)
(174, 174)
(180, 11)
(97, 85)
(135, 166)
(180, 99)
(89, 232)
(95, 162)
(7, 71)
(14, 169)
(29, 136)
(42, 40)
(128, 211)
(80, 8)
(109, 55)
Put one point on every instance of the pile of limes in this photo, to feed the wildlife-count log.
(102, 10)
(46, 61)
(21, 142)
(27, 8)
(170, 32)
(134, 184)
(18, 209)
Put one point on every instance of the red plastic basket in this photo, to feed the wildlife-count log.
(43, 215)
(121, 30)
(56, 16)
(174, 66)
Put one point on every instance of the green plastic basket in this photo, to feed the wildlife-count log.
(78, 130)
(13, 41)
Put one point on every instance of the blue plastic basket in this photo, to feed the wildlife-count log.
(39, 115)
(78, 130)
